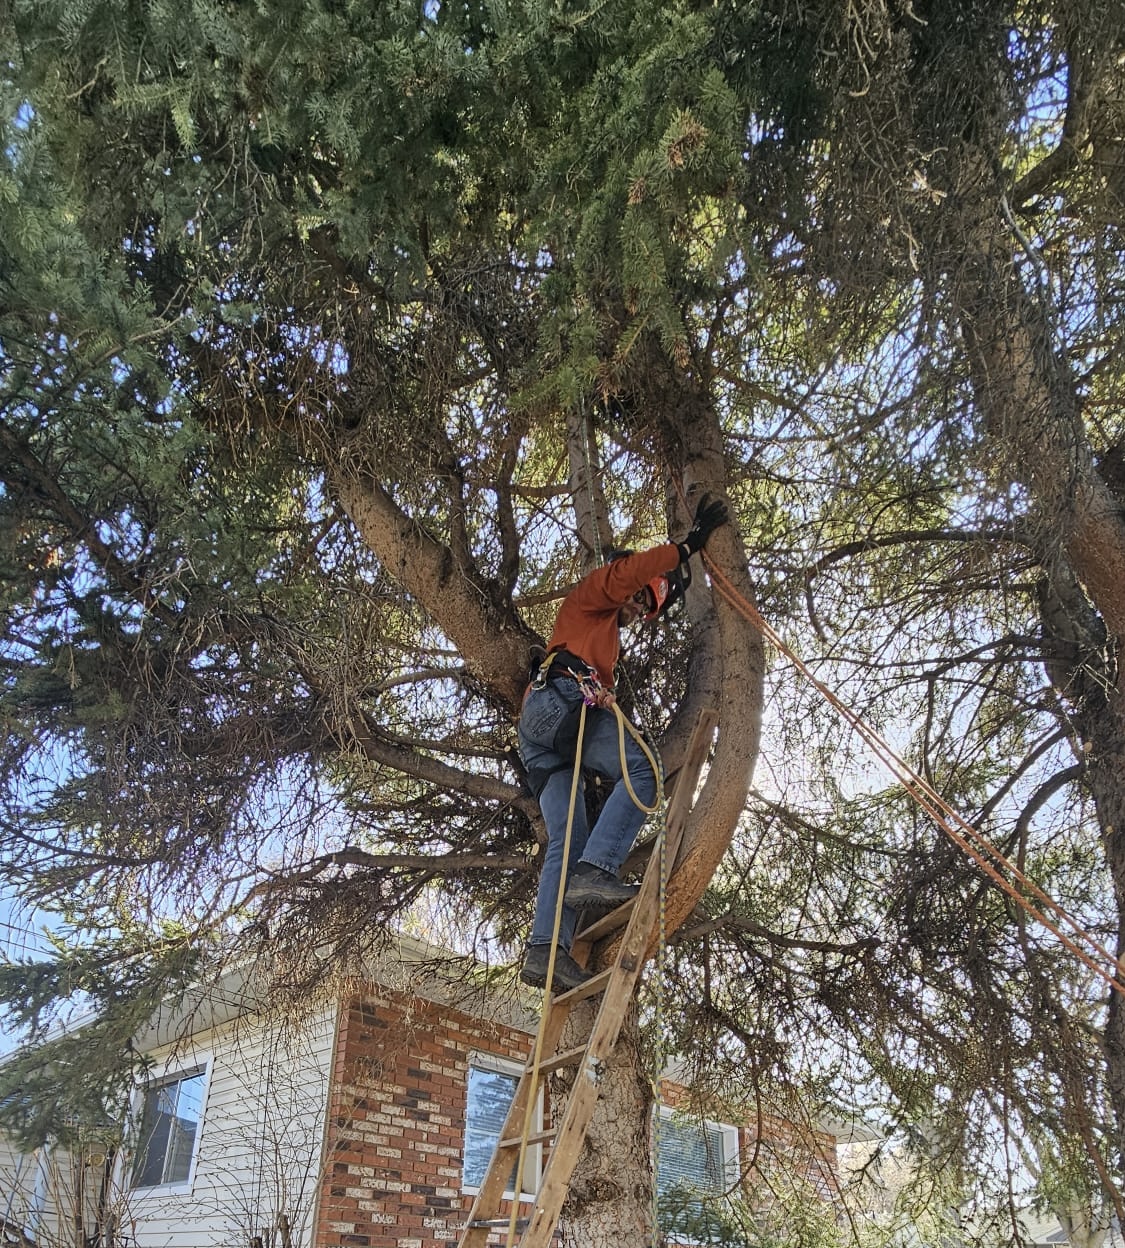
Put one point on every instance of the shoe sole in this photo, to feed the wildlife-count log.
(592, 898)
(540, 981)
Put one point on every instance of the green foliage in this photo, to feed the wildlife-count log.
(684, 1219)
(253, 255)
(796, 1218)
(66, 1083)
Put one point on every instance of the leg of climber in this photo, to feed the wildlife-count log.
(552, 780)
(593, 879)
(554, 801)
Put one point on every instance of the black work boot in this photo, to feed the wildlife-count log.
(591, 886)
(568, 974)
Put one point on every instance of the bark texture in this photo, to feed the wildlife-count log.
(494, 643)
(610, 1198)
(1028, 397)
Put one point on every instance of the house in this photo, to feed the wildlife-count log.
(363, 1120)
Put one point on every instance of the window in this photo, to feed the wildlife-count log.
(696, 1162)
(492, 1085)
(170, 1116)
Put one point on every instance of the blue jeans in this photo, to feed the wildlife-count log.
(607, 844)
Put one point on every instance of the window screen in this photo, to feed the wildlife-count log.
(692, 1154)
(695, 1163)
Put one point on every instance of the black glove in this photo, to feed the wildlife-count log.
(709, 515)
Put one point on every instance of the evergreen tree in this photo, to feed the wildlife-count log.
(335, 336)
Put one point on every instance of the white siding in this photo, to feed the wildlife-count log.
(259, 1147)
(41, 1192)
(18, 1173)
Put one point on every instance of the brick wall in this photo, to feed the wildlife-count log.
(392, 1175)
(802, 1151)
(396, 1122)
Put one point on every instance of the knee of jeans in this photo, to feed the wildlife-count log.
(643, 782)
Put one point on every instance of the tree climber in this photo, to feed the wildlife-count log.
(579, 667)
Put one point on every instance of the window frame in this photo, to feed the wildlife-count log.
(172, 1073)
(492, 1063)
(729, 1133)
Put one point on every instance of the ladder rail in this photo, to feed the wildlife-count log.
(675, 822)
(582, 1100)
(627, 952)
(490, 1194)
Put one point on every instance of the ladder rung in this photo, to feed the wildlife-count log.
(571, 1057)
(612, 922)
(591, 988)
(481, 1223)
(538, 1137)
(638, 856)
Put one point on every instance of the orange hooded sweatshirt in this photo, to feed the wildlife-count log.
(587, 620)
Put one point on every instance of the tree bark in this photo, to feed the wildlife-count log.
(610, 1200)
(1028, 397)
(587, 492)
(727, 669)
(494, 643)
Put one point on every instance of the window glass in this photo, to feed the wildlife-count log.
(489, 1096)
(692, 1153)
(170, 1118)
(695, 1160)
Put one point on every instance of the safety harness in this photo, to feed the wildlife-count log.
(560, 663)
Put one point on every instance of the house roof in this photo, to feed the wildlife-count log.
(404, 964)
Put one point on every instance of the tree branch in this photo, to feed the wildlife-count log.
(738, 923)
(1066, 154)
(444, 864)
(376, 748)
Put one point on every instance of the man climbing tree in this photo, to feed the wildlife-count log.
(579, 669)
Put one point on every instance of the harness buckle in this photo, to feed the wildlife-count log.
(543, 673)
(586, 679)
(591, 687)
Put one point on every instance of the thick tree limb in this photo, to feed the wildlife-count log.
(494, 643)
(1030, 402)
(444, 864)
(1068, 151)
(422, 767)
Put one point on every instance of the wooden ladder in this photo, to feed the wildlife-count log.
(617, 983)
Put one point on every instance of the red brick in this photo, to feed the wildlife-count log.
(385, 1097)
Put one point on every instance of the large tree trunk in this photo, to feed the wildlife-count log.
(1029, 400)
(727, 667)
(610, 1202)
